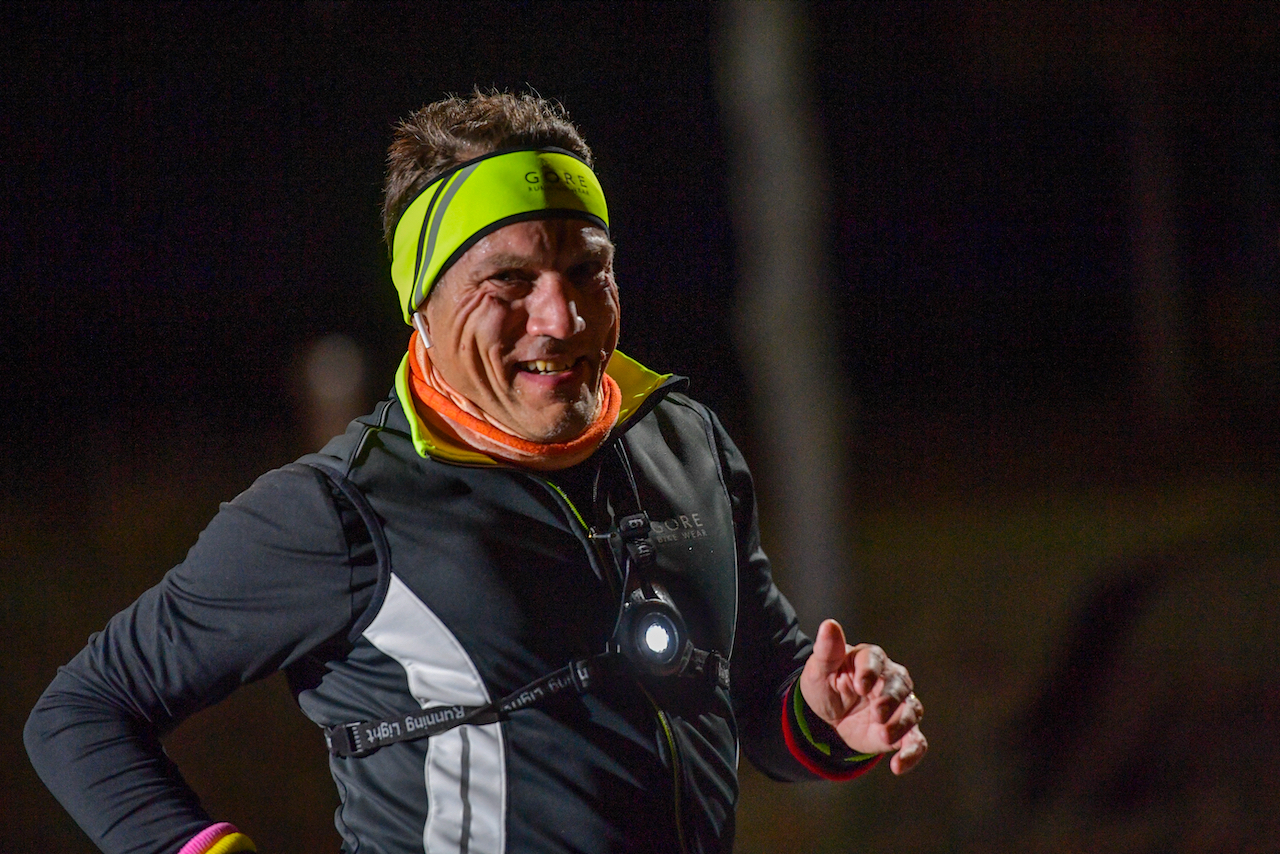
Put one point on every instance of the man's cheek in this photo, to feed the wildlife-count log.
(491, 330)
(501, 325)
(602, 317)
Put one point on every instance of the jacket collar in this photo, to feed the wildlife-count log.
(642, 389)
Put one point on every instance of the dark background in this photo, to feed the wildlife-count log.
(1081, 567)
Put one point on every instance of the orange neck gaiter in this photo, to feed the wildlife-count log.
(446, 410)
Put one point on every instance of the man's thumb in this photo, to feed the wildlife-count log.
(829, 647)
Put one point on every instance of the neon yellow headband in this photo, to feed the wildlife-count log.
(479, 197)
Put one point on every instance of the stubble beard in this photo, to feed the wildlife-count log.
(574, 419)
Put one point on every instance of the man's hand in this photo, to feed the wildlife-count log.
(866, 697)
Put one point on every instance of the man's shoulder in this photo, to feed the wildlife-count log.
(375, 446)
(678, 399)
(385, 423)
(378, 453)
(678, 410)
(677, 418)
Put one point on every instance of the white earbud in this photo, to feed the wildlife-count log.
(420, 324)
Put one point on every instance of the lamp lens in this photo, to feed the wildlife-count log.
(657, 638)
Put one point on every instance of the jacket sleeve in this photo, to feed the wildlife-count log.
(271, 578)
(769, 652)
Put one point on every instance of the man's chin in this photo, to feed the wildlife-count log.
(570, 422)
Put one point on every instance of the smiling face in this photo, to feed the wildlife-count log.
(524, 323)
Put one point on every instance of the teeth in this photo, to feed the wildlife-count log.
(551, 366)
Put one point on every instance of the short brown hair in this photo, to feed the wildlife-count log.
(446, 133)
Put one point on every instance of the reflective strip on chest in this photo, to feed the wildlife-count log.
(466, 767)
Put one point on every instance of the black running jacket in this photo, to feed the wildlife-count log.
(491, 579)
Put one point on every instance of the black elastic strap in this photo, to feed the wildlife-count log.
(711, 666)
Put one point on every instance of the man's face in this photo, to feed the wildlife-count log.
(524, 323)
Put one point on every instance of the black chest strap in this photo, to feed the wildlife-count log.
(361, 739)
(582, 675)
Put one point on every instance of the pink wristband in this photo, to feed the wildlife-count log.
(204, 840)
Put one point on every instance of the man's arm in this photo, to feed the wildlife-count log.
(769, 649)
(781, 732)
(268, 580)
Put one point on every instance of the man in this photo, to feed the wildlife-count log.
(465, 590)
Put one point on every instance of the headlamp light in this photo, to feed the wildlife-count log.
(658, 637)
(652, 634)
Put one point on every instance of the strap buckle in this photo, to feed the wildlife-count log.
(344, 740)
(584, 673)
(711, 666)
(634, 527)
(716, 670)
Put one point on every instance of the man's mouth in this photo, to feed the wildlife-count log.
(548, 366)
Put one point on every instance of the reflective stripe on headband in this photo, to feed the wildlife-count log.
(479, 197)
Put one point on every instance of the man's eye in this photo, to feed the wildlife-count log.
(587, 275)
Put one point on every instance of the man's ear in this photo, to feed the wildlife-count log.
(420, 324)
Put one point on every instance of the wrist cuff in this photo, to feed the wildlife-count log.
(220, 838)
(816, 745)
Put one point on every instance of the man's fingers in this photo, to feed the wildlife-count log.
(905, 716)
(914, 747)
(869, 663)
(894, 690)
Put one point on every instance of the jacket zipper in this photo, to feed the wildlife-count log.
(677, 771)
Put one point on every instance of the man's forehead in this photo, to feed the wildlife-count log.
(523, 242)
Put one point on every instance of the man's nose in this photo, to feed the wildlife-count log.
(552, 308)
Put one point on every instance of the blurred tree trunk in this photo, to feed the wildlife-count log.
(1248, 316)
(1159, 314)
(804, 409)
